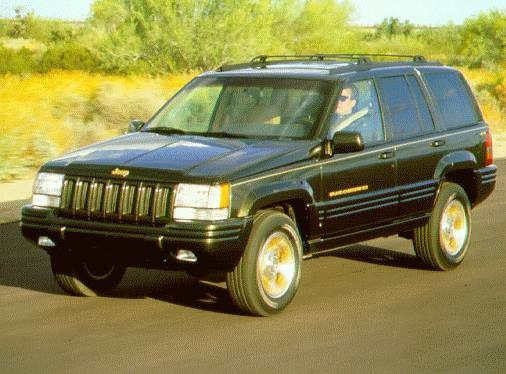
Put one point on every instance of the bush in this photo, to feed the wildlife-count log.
(68, 56)
(163, 36)
(484, 39)
(27, 26)
(114, 105)
(442, 43)
(5, 26)
(17, 61)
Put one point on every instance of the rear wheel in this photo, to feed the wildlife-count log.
(267, 276)
(442, 242)
(86, 274)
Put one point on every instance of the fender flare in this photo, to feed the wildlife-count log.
(275, 192)
(460, 160)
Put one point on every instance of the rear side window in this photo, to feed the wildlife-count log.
(452, 98)
(401, 109)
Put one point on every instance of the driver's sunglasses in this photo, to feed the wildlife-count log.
(343, 98)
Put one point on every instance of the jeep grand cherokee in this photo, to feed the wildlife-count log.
(254, 167)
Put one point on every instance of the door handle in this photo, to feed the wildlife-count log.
(386, 155)
(438, 143)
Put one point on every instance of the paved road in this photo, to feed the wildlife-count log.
(366, 308)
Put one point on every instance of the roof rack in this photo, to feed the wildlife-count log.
(414, 58)
(262, 61)
(361, 58)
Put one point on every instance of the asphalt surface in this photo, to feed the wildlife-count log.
(10, 211)
(365, 308)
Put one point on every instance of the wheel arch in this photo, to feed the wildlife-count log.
(295, 199)
(459, 167)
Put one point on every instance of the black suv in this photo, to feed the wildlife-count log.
(254, 167)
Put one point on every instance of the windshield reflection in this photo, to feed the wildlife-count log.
(245, 107)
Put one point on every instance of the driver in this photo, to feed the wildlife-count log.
(346, 112)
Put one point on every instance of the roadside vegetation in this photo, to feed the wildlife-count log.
(67, 84)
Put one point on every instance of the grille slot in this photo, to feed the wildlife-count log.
(115, 200)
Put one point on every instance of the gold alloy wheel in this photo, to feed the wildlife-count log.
(453, 227)
(276, 265)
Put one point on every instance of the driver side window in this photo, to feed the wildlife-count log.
(357, 110)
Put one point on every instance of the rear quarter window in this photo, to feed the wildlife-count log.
(452, 99)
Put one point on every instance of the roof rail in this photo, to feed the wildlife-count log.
(262, 61)
(361, 58)
(414, 58)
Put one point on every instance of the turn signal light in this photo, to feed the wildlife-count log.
(489, 154)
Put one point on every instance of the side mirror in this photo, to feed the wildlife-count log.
(135, 125)
(347, 142)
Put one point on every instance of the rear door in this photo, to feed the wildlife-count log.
(417, 147)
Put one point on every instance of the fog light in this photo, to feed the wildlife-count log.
(44, 241)
(186, 256)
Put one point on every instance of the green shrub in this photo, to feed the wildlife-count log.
(5, 26)
(484, 39)
(17, 61)
(68, 56)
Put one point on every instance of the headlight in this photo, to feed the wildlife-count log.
(202, 202)
(47, 189)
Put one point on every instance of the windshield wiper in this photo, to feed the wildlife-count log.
(223, 134)
(176, 131)
(165, 130)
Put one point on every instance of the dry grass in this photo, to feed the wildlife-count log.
(18, 43)
(44, 115)
(490, 90)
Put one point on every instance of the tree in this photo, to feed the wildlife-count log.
(167, 35)
(322, 26)
(391, 27)
(484, 39)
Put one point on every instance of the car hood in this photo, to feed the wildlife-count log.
(183, 157)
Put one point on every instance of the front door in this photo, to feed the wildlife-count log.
(359, 189)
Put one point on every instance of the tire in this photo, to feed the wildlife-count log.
(267, 276)
(86, 274)
(443, 241)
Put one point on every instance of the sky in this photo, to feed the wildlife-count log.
(368, 12)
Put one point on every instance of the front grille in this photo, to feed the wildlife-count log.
(115, 200)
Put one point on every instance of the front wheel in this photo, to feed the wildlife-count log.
(86, 274)
(442, 242)
(267, 276)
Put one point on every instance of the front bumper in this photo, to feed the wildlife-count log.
(217, 245)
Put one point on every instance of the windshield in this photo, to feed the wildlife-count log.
(243, 107)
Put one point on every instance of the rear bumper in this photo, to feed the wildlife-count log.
(218, 245)
(486, 178)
